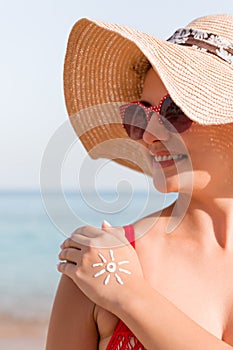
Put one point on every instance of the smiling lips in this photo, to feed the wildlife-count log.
(168, 158)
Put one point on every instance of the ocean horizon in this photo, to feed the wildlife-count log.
(32, 227)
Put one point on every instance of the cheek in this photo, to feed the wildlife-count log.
(201, 146)
(209, 156)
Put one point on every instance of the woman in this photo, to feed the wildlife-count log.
(170, 291)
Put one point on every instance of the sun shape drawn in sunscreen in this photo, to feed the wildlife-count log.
(111, 267)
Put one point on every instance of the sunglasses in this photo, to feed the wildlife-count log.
(136, 115)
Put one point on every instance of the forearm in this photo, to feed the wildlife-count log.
(160, 325)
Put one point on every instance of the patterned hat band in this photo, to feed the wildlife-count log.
(204, 41)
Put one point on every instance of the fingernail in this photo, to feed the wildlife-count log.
(107, 223)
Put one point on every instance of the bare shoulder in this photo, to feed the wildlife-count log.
(154, 223)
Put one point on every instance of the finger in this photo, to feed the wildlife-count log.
(105, 225)
(69, 243)
(117, 231)
(78, 234)
(74, 242)
(86, 231)
(70, 254)
(67, 269)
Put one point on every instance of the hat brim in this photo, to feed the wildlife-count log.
(106, 64)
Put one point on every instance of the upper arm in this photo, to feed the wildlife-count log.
(72, 324)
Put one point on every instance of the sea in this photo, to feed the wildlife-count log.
(32, 227)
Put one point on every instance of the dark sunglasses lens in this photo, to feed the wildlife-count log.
(173, 117)
(134, 121)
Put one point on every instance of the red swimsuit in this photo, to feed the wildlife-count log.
(123, 338)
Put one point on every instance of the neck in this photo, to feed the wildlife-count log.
(210, 217)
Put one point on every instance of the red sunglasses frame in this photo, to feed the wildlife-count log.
(149, 110)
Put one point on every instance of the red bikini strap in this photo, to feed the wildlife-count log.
(129, 234)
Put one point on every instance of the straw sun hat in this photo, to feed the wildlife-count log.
(105, 66)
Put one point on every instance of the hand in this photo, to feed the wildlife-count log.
(101, 262)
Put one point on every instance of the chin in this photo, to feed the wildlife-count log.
(165, 185)
(178, 183)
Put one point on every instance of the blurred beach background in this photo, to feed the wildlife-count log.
(29, 248)
(47, 187)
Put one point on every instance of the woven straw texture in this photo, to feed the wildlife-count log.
(105, 66)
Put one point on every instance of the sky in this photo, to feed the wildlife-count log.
(33, 44)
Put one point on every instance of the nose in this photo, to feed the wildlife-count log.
(155, 131)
